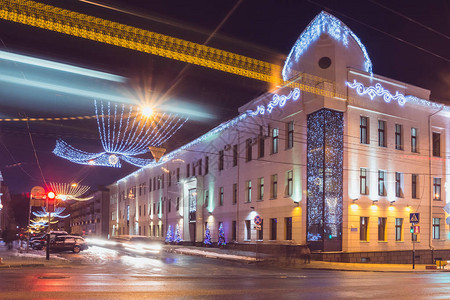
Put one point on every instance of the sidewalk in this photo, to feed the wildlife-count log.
(252, 257)
(17, 258)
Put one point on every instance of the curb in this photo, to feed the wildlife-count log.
(380, 271)
(22, 266)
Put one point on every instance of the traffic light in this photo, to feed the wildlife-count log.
(411, 229)
(51, 196)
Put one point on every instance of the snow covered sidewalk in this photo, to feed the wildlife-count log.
(215, 253)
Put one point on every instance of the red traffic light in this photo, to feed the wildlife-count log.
(51, 195)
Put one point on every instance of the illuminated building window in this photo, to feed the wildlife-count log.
(363, 228)
(178, 174)
(288, 226)
(414, 181)
(261, 232)
(398, 184)
(382, 229)
(273, 229)
(437, 188)
(221, 157)
(248, 195)
(398, 137)
(289, 183)
(235, 193)
(235, 155)
(234, 230)
(275, 141)
(414, 140)
(436, 144)
(363, 189)
(290, 135)
(398, 229)
(206, 165)
(248, 148)
(274, 188)
(260, 188)
(221, 196)
(381, 133)
(364, 130)
(436, 228)
(248, 230)
(381, 183)
(206, 198)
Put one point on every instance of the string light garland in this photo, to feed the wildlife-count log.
(56, 214)
(65, 191)
(323, 23)
(378, 90)
(124, 133)
(277, 100)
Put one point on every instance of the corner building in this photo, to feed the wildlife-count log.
(337, 158)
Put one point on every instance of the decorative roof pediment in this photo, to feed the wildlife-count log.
(323, 23)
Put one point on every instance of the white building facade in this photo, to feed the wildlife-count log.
(337, 158)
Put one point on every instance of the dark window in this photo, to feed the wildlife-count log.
(169, 204)
(221, 156)
(139, 210)
(363, 226)
(398, 137)
(188, 170)
(398, 229)
(274, 186)
(248, 231)
(363, 181)
(206, 165)
(290, 134)
(200, 167)
(221, 196)
(249, 191)
(178, 204)
(398, 184)
(206, 198)
(381, 229)
(260, 188)
(436, 144)
(414, 178)
(437, 188)
(193, 169)
(169, 179)
(162, 181)
(275, 138)
(436, 228)
(235, 155)
(273, 229)
(260, 232)
(261, 148)
(234, 230)
(414, 140)
(381, 133)
(145, 211)
(235, 193)
(159, 182)
(154, 183)
(248, 147)
(289, 185)
(178, 174)
(381, 183)
(288, 224)
(364, 130)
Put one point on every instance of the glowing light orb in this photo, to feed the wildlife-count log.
(147, 111)
(113, 159)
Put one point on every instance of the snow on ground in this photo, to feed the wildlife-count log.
(210, 254)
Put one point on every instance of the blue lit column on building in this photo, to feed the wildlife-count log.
(324, 175)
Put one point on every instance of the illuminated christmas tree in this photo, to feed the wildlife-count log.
(177, 238)
(207, 240)
(169, 235)
(221, 241)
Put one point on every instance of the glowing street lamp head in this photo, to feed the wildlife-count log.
(113, 159)
(51, 195)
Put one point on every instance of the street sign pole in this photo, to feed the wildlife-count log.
(414, 252)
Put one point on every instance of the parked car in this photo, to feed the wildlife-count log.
(68, 243)
(39, 243)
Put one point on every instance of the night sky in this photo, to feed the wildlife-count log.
(406, 40)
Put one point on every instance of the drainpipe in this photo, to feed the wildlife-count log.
(431, 180)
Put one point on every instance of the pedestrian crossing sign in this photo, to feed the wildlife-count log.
(414, 218)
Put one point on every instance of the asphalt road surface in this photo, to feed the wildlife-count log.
(104, 274)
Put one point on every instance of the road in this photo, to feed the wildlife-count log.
(103, 274)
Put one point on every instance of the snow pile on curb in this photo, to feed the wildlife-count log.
(210, 254)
